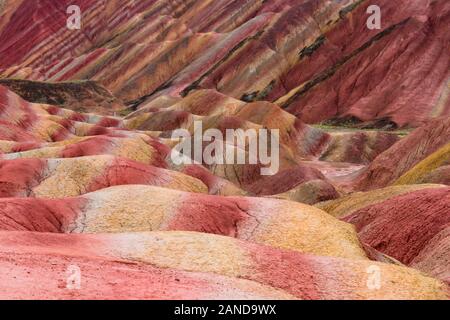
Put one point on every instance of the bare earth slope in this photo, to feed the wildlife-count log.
(89, 185)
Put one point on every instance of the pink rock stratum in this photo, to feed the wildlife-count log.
(96, 204)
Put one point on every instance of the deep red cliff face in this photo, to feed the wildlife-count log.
(87, 141)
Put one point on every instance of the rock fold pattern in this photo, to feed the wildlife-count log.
(93, 206)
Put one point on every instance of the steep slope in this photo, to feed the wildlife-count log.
(142, 51)
(60, 178)
(395, 77)
(239, 269)
(405, 154)
(134, 208)
(224, 149)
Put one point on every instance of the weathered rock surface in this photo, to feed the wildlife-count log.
(60, 178)
(433, 169)
(238, 268)
(412, 228)
(395, 77)
(80, 96)
(346, 205)
(405, 154)
(140, 208)
(89, 183)
(291, 52)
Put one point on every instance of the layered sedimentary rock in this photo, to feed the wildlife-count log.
(412, 228)
(279, 223)
(239, 269)
(130, 279)
(44, 131)
(407, 153)
(90, 136)
(433, 169)
(291, 52)
(357, 147)
(396, 76)
(346, 205)
(408, 222)
(80, 96)
(60, 178)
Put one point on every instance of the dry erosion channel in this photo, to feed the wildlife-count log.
(225, 149)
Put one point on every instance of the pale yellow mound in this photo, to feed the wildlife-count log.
(135, 149)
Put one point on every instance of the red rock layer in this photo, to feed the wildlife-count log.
(102, 192)
(136, 273)
(293, 52)
(398, 74)
(412, 228)
(405, 154)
